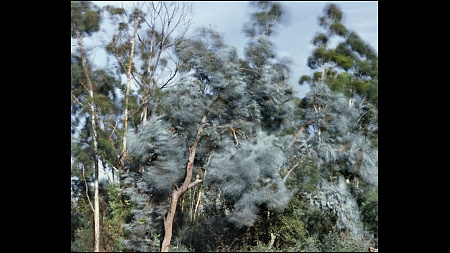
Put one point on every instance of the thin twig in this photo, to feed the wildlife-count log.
(291, 169)
(87, 191)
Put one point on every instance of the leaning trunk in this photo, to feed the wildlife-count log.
(176, 194)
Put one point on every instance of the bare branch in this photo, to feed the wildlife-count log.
(76, 99)
(197, 181)
(291, 169)
(234, 134)
(87, 191)
(300, 131)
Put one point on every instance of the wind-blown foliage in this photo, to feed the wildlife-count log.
(342, 104)
(158, 154)
(85, 18)
(220, 155)
(342, 153)
(266, 76)
(155, 162)
(208, 89)
(248, 177)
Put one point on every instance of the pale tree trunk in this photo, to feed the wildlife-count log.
(127, 94)
(176, 193)
(90, 88)
(168, 17)
(197, 204)
(272, 240)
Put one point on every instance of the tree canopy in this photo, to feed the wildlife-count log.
(220, 155)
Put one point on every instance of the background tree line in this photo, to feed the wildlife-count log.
(202, 150)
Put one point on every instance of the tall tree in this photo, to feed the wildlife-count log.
(344, 155)
(351, 67)
(267, 77)
(95, 110)
(126, 52)
(344, 148)
(210, 113)
(201, 98)
(85, 20)
(145, 34)
(210, 155)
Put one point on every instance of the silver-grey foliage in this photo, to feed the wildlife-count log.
(155, 163)
(335, 197)
(210, 81)
(338, 142)
(363, 159)
(158, 154)
(248, 177)
(345, 156)
(268, 82)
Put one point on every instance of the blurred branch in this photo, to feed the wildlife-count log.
(87, 191)
(300, 131)
(197, 181)
(291, 169)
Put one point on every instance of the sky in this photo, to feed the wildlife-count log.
(293, 39)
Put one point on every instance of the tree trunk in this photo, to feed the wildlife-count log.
(272, 240)
(168, 220)
(90, 88)
(127, 92)
(176, 194)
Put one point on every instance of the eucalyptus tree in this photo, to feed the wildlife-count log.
(213, 129)
(346, 158)
(145, 34)
(344, 149)
(351, 67)
(267, 80)
(85, 20)
(267, 76)
(95, 112)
